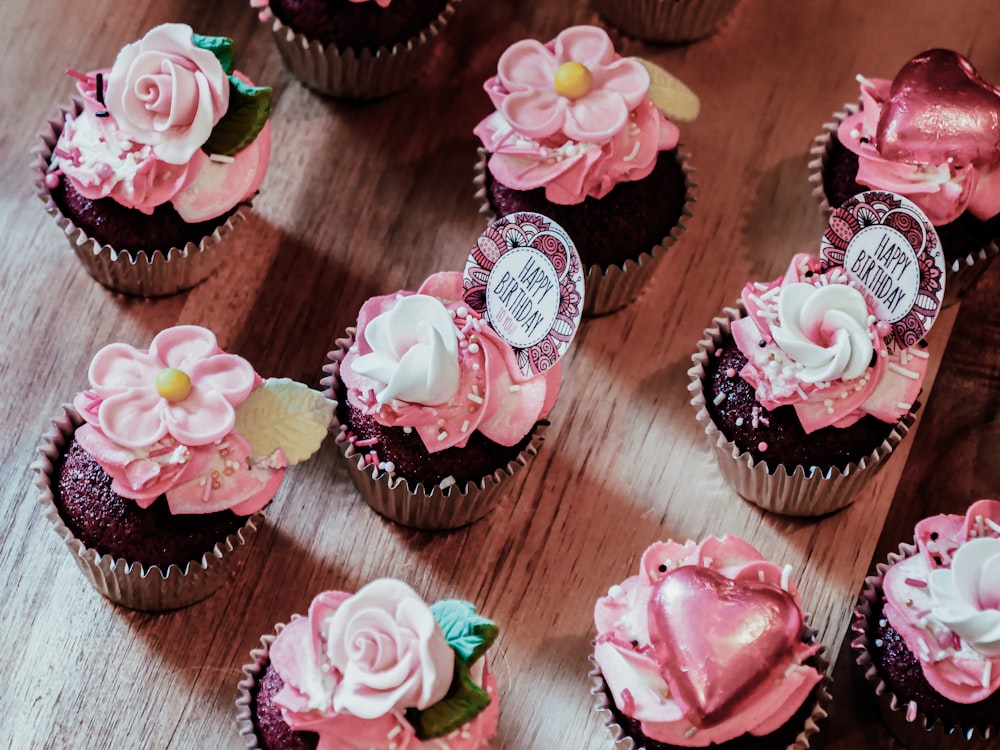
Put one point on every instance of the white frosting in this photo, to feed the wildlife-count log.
(824, 331)
(414, 353)
(967, 595)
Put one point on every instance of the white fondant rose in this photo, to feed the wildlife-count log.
(968, 594)
(414, 353)
(166, 92)
(390, 651)
(824, 329)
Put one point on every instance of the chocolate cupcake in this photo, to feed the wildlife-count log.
(808, 386)
(156, 476)
(928, 626)
(357, 49)
(443, 393)
(946, 164)
(678, 664)
(616, 180)
(146, 186)
(666, 21)
(427, 685)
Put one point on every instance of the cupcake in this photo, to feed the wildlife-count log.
(156, 475)
(808, 387)
(146, 175)
(932, 135)
(378, 669)
(707, 645)
(358, 49)
(928, 627)
(442, 394)
(579, 135)
(667, 21)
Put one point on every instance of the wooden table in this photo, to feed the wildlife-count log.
(367, 198)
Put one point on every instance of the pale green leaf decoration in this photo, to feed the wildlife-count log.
(249, 108)
(670, 95)
(284, 414)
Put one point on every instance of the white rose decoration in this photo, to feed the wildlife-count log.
(389, 650)
(824, 330)
(414, 353)
(968, 594)
(168, 93)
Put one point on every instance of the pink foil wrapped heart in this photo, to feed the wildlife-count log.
(716, 639)
(939, 108)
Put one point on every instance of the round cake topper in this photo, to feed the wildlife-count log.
(524, 277)
(889, 248)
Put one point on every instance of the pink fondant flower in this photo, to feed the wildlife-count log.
(166, 92)
(137, 409)
(534, 107)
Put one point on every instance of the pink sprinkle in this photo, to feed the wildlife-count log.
(104, 170)
(956, 642)
(78, 75)
(922, 613)
(718, 352)
(731, 372)
(911, 711)
(944, 639)
(365, 443)
(762, 446)
(916, 582)
(765, 421)
(629, 701)
(52, 180)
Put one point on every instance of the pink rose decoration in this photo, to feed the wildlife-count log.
(166, 92)
(528, 68)
(137, 409)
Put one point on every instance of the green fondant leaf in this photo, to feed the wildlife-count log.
(249, 107)
(670, 95)
(464, 701)
(467, 633)
(287, 415)
(220, 46)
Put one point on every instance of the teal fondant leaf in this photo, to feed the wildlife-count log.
(220, 46)
(467, 633)
(249, 108)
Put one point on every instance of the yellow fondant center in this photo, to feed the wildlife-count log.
(573, 80)
(173, 384)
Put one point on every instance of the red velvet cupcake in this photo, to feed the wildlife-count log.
(666, 21)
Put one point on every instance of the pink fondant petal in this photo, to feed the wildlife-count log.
(512, 415)
(595, 117)
(535, 114)
(445, 285)
(588, 45)
(117, 367)
(203, 417)
(183, 346)
(527, 64)
(227, 374)
(625, 77)
(133, 419)
(294, 658)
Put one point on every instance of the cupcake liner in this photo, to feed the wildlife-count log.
(792, 492)
(252, 672)
(608, 289)
(135, 585)
(412, 503)
(147, 274)
(962, 272)
(667, 21)
(903, 718)
(347, 73)
(624, 741)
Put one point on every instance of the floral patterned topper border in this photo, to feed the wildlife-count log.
(890, 249)
(524, 277)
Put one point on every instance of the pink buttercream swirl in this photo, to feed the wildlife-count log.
(573, 146)
(943, 190)
(715, 697)
(812, 342)
(945, 601)
(461, 376)
(356, 663)
(181, 444)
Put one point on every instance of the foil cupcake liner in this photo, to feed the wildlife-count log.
(146, 274)
(610, 288)
(252, 672)
(412, 503)
(349, 74)
(795, 491)
(134, 585)
(624, 741)
(903, 718)
(962, 272)
(666, 21)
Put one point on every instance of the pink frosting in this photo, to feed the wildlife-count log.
(576, 147)
(354, 665)
(164, 95)
(187, 448)
(942, 190)
(944, 601)
(686, 683)
(491, 394)
(885, 388)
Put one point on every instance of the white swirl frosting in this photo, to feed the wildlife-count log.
(414, 353)
(967, 594)
(824, 330)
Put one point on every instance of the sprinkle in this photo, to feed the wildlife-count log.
(221, 158)
(956, 641)
(462, 312)
(52, 179)
(443, 435)
(987, 673)
(475, 366)
(925, 653)
(903, 371)
(739, 421)
(762, 446)
(78, 75)
(100, 88)
(760, 285)
(802, 393)
(103, 113)
(903, 405)
(366, 442)
(718, 352)
(911, 711)
(762, 343)
(394, 731)
(407, 430)
(690, 732)
(915, 582)
(465, 426)
(731, 372)
(922, 614)
(992, 524)
(878, 643)
(760, 575)
(883, 622)
(474, 398)
(513, 388)
(447, 482)
(765, 421)
(719, 398)
(786, 574)
(919, 353)
(389, 467)
(473, 348)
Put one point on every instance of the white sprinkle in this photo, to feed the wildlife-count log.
(394, 731)
(760, 285)
(514, 388)
(878, 643)
(690, 733)
(443, 435)
(919, 353)
(855, 133)
(635, 152)
(719, 398)
(474, 398)
(925, 653)
(911, 711)
(903, 405)
(616, 591)
(389, 467)
(786, 575)
(802, 393)
(739, 421)
(465, 426)
(475, 365)
(760, 575)
(473, 348)
(447, 482)
(771, 294)
(707, 561)
(407, 430)
(992, 524)
(903, 371)
(221, 158)
(987, 673)
(463, 312)
(768, 314)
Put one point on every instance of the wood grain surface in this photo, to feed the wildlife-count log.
(367, 198)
